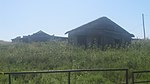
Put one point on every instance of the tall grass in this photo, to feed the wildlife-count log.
(60, 55)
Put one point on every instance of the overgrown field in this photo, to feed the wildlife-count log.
(60, 56)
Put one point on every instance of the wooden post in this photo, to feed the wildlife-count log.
(143, 26)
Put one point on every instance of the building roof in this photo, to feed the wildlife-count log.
(39, 36)
(102, 24)
(40, 33)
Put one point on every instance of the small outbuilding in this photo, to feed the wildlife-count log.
(39, 36)
(100, 32)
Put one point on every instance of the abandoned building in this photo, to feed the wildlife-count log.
(40, 36)
(100, 32)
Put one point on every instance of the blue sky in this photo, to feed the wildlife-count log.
(24, 17)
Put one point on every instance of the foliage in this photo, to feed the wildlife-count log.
(60, 56)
